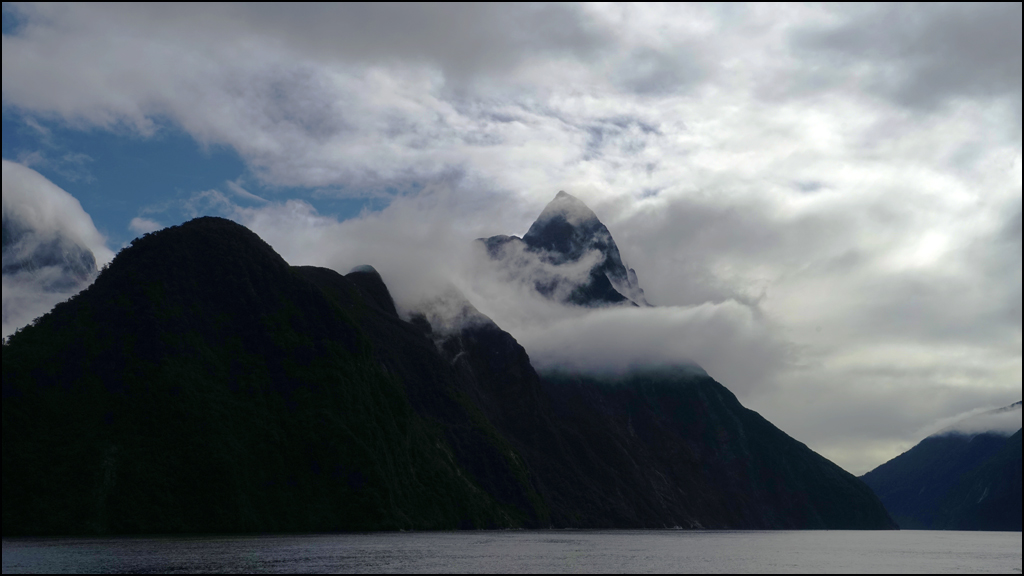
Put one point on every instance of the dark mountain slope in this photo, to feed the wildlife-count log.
(914, 485)
(658, 449)
(202, 385)
(433, 388)
(988, 498)
(708, 459)
(954, 481)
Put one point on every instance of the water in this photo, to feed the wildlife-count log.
(531, 552)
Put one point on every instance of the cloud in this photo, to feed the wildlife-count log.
(533, 270)
(423, 248)
(141, 226)
(50, 212)
(1002, 421)
(317, 96)
(727, 340)
(923, 55)
(242, 193)
(25, 298)
(51, 246)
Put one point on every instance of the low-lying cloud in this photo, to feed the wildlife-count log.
(422, 253)
(727, 340)
(1002, 421)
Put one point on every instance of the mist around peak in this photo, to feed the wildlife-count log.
(566, 207)
(568, 255)
(51, 249)
(420, 255)
(1004, 422)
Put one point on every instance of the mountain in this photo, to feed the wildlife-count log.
(657, 447)
(202, 384)
(955, 480)
(567, 233)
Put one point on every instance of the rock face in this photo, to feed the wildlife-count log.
(954, 481)
(568, 237)
(203, 385)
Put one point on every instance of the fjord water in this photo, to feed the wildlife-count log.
(531, 552)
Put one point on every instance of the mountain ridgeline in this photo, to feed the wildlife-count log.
(202, 384)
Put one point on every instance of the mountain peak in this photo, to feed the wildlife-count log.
(567, 232)
(567, 207)
(567, 229)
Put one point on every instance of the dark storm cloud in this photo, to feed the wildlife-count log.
(923, 54)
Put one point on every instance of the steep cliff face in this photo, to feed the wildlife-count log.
(954, 480)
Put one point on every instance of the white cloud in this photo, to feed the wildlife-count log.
(25, 299)
(141, 225)
(242, 193)
(42, 266)
(1005, 421)
(48, 210)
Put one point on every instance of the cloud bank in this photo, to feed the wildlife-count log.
(1001, 421)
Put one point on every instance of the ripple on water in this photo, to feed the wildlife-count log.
(528, 552)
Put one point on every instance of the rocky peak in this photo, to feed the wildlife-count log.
(566, 232)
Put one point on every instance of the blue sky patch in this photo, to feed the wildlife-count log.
(118, 175)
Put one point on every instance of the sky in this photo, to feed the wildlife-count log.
(824, 202)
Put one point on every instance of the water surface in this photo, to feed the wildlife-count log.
(530, 552)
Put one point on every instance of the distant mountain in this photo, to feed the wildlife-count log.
(955, 480)
(202, 384)
(565, 234)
